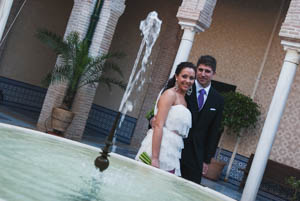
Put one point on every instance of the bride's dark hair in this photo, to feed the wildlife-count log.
(171, 82)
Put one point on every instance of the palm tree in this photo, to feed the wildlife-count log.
(76, 67)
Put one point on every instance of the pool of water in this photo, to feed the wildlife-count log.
(40, 167)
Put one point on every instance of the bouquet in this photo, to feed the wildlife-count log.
(144, 157)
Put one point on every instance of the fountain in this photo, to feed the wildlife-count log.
(39, 166)
(150, 28)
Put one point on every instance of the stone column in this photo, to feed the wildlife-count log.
(109, 16)
(184, 49)
(194, 16)
(5, 6)
(79, 21)
(290, 33)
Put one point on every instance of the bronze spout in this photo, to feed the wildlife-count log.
(102, 161)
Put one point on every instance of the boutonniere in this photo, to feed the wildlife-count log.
(144, 157)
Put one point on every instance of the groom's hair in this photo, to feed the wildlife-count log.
(208, 60)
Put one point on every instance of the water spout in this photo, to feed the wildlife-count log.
(102, 161)
(150, 28)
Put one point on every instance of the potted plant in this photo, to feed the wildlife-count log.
(240, 112)
(76, 68)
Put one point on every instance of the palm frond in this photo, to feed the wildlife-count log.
(52, 40)
(103, 63)
(106, 80)
(95, 66)
(60, 73)
(109, 65)
(113, 55)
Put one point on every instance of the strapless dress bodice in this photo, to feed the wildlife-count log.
(177, 125)
(179, 119)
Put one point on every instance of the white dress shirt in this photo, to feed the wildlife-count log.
(199, 87)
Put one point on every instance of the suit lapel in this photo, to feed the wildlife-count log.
(210, 99)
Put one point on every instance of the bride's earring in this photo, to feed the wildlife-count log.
(176, 86)
(189, 91)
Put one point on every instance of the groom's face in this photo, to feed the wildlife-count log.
(204, 75)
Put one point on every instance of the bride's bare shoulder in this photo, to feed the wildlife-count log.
(170, 93)
(168, 96)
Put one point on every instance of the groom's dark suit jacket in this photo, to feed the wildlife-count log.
(201, 144)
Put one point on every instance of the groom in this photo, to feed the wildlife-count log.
(206, 106)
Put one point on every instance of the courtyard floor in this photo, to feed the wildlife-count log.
(27, 119)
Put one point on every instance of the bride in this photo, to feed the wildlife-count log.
(164, 142)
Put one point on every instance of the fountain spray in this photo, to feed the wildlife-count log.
(150, 28)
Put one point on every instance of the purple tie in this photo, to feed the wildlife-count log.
(201, 98)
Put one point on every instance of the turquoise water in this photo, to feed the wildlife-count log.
(40, 167)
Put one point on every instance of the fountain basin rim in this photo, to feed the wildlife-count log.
(31, 131)
(36, 132)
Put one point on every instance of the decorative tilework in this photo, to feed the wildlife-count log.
(22, 95)
(100, 122)
(268, 190)
(239, 163)
(30, 97)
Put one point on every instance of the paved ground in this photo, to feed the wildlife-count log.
(27, 119)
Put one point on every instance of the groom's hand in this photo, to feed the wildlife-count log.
(205, 168)
(152, 121)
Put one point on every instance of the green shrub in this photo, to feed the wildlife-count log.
(295, 184)
(240, 111)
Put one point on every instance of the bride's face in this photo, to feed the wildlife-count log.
(185, 79)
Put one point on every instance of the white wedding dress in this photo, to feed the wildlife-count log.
(177, 125)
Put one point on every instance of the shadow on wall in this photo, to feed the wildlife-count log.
(222, 87)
